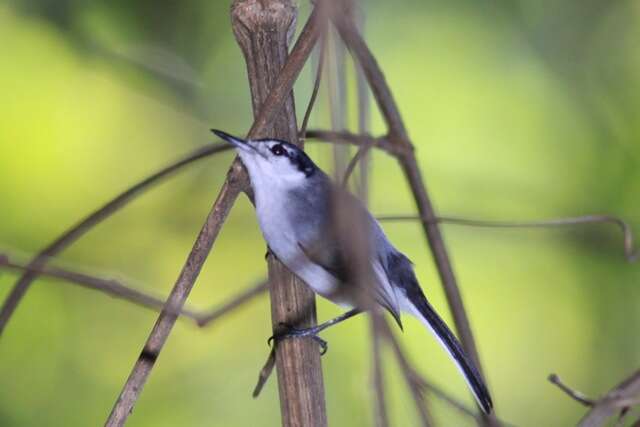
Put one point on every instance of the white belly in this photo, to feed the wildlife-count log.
(283, 242)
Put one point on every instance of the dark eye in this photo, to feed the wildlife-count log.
(278, 150)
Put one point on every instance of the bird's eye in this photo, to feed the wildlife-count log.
(278, 150)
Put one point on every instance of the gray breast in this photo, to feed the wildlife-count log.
(314, 211)
(309, 208)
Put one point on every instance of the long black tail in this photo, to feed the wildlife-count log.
(425, 312)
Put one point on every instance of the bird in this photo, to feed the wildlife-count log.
(295, 204)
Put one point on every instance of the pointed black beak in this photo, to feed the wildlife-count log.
(238, 142)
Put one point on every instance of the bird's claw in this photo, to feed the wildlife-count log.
(269, 252)
(293, 332)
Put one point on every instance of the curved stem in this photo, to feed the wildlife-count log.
(631, 254)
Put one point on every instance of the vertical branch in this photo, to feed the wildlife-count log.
(382, 419)
(261, 29)
(336, 79)
(364, 107)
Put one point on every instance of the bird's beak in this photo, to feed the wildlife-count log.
(236, 142)
(241, 144)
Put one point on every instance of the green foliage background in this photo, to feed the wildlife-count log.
(519, 110)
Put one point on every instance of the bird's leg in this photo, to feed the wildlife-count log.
(293, 332)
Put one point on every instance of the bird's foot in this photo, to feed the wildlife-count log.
(287, 331)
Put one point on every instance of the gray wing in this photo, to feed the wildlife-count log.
(315, 219)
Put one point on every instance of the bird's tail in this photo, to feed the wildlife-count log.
(421, 308)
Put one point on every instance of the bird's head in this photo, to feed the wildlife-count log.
(272, 160)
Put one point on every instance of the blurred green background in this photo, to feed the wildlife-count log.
(519, 110)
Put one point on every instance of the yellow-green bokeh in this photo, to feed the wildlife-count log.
(512, 118)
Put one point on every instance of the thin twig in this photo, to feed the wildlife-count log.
(442, 395)
(574, 394)
(364, 113)
(93, 219)
(265, 372)
(382, 419)
(316, 87)
(235, 302)
(337, 97)
(630, 253)
(145, 299)
(345, 137)
(359, 156)
(110, 287)
(411, 377)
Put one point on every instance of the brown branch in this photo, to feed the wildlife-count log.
(237, 181)
(631, 254)
(145, 299)
(345, 137)
(337, 96)
(265, 372)
(381, 91)
(382, 419)
(238, 300)
(398, 134)
(74, 233)
(363, 128)
(364, 108)
(110, 287)
(574, 394)
(175, 301)
(316, 88)
(412, 378)
(261, 29)
(359, 156)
